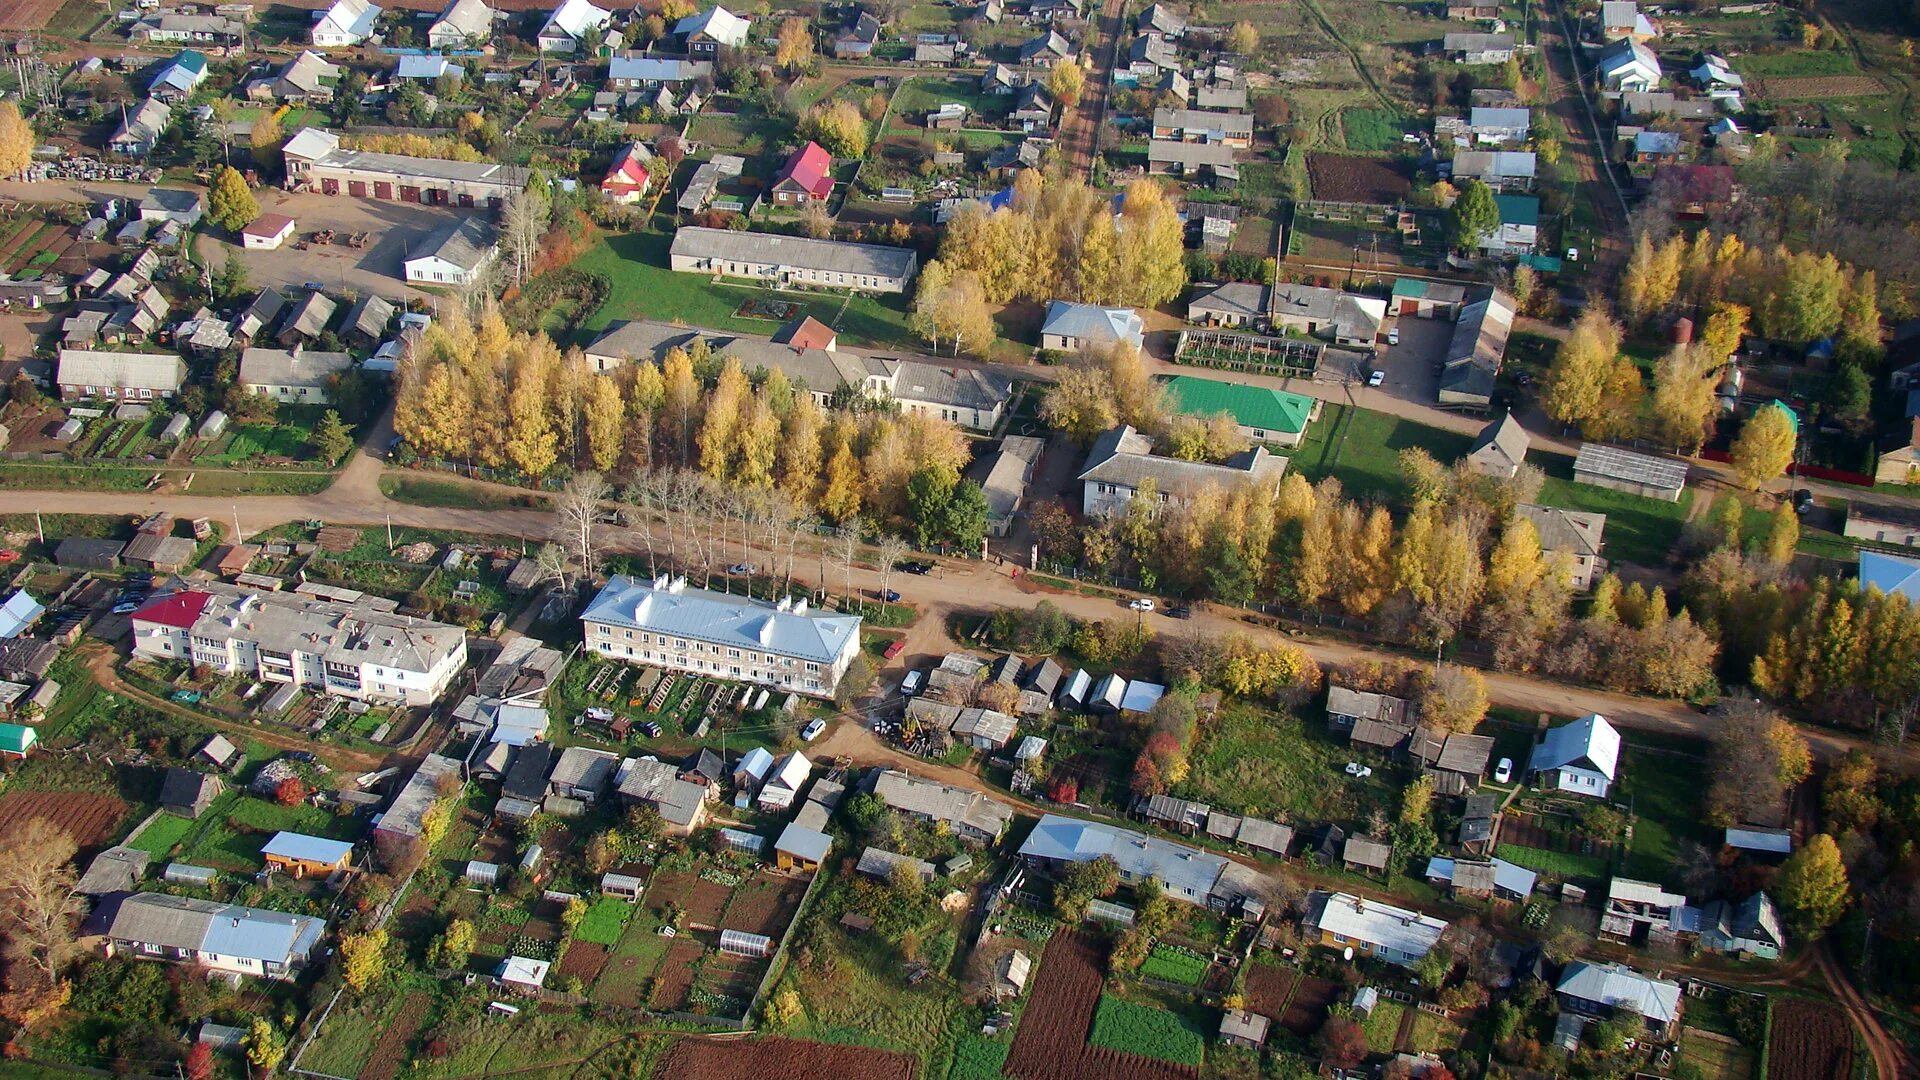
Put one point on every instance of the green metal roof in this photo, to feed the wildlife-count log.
(16, 738)
(1250, 406)
(1518, 209)
(1409, 287)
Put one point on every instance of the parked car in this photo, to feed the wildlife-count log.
(1180, 611)
(1393, 335)
(890, 596)
(1376, 377)
(910, 685)
(1140, 604)
(914, 567)
(740, 568)
(812, 731)
(1355, 769)
(1503, 772)
(894, 649)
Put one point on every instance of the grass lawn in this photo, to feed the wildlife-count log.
(1715, 1059)
(1382, 1026)
(1362, 448)
(635, 265)
(1664, 790)
(604, 921)
(1258, 760)
(1564, 864)
(1433, 1033)
(922, 95)
(18, 476)
(1374, 131)
(428, 491)
(856, 993)
(1132, 1028)
(637, 953)
(158, 838)
(1639, 530)
(231, 833)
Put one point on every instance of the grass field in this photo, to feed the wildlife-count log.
(1175, 966)
(1639, 530)
(159, 837)
(1715, 1059)
(1258, 760)
(604, 922)
(17, 476)
(635, 265)
(1799, 62)
(1371, 131)
(428, 491)
(1382, 1026)
(1141, 1029)
(1563, 864)
(922, 95)
(1362, 448)
(1662, 788)
(232, 831)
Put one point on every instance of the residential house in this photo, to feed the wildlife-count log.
(455, 253)
(123, 376)
(140, 129)
(170, 27)
(366, 323)
(1581, 758)
(1185, 873)
(1233, 303)
(1472, 48)
(297, 375)
(1003, 476)
(1032, 108)
(1259, 413)
(1476, 351)
(637, 71)
(177, 81)
(709, 31)
(783, 782)
(1500, 449)
(1046, 50)
(681, 802)
(1627, 66)
(186, 793)
(1655, 147)
(1623, 19)
(1501, 170)
(1069, 327)
(1392, 934)
(1519, 229)
(939, 53)
(627, 178)
(1195, 125)
(1574, 533)
(806, 177)
(1243, 1029)
(1220, 87)
(1000, 79)
(664, 623)
(974, 817)
(346, 23)
(1748, 928)
(1635, 474)
(302, 856)
(1598, 990)
(1161, 20)
(856, 37)
(568, 26)
(361, 650)
(582, 773)
(118, 869)
(307, 320)
(1351, 709)
(463, 24)
(1121, 462)
(1494, 126)
(429, 68)
(801, 848)
(782, 261)
(1367, 855)
(1212, 161)
(306, 79)
(223, 938)
(1150, 57)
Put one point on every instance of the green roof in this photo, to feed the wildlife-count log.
(1407, 286)
(1518, 209)
(1250, 406)
(16, 738)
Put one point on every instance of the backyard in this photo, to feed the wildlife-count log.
(1362, 449)
(1259, 760)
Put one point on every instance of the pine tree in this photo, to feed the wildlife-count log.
(332, 438)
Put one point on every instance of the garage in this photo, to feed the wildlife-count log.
(466, 200)
(382, 190)
(409, 193)
(329, 187)
(357, 188)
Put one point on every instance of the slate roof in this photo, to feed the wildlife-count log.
(1618, 464)
(717, 23)
(123, 370)
(465, 243)
(281, 367)
(1064, 839)
(1616, 984)
(804, 843)
(1378, 924)
(183, 922)
(1123, 456)
(1589, 743)
(1478, 347)
(940, 802)
(1573, 531)
(832, 256)
(1503, 439)
(1238, 298)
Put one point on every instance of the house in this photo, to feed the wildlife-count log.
(582, 774)
(1890, 574)
(782, 261)
(362, 650)
(949, 117)
(1311, 309)
(463, 24)
(429, 68)
(1160, 19)
(1179, 815)
(19, 613)
(974, 817)
(186, 793)
(1656, 147)
(267, 232)
(1640, 107)
(1623, 19)
(169, 27)
(1260, 413)
(681, 803)
(25, 659)
(1366, 854)
(784, 781)
(87, 553)
(1395, 935)
(1627, 66)
(1244, 1029)
(1234, 303)
(1573, 533)
(1000, 79)
(1121, 462)
(307, 79)
(1353, 708)
(1069, 327)
(223, 938)
(366, 321)
(177, 81)
(265, 311)
(801, 848)
(627, 178)
(1168, 157)
(1150, 57)
(140, 129)
(879, 863)
(856, 37)
(1749, 928)
(301, 855)
(1471, 48)
(1497, 126)
(454, 254)
(1046, 50)
(1596, 990)
(1624, 470)
(1500, 449)
(1519, 227)
(294, 375)
(1476, 350)
(1501, 170)
(1032, 108)
(1581, 758)
(85, 373)
(569, 25)
(1195, 125)
(1482, 878)
(938, 53)
(709, 31)
(308, 319)
(806, 177)
(1186, 873)
(1459, 762)
(634, 71)
(1220, 87)
(1003, 476)
(1473, 10)
(664, 623)
(346, 23)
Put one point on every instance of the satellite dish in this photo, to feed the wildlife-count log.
(1346, 953)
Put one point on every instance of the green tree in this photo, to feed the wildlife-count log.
(332, 438)
(1850, 397)
(965, 520)
(928, 493)
(1812, 886)
(454, 945)
(230, 204)
(1475, 215)
(231, 282)
(1765, 446)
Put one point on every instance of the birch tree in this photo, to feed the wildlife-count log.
(577, 516)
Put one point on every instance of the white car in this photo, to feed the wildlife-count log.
(1503, 772)
(910, 685)
(812, 731)
(1573, 254)
(1393, 335)
(1376, 377)
(740, 568)
(1142, 604)
(1355, 769)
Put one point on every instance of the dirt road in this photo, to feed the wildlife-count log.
(1080, 128)
(1890, 1058)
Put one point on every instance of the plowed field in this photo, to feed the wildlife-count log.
(1340, 178)
(1811, 1041)
(1051, 1043)
(87, 816)
(759, 1059)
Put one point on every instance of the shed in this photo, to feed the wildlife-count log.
(184, 874)
(741, 943)
(1074, 690)
(219, 753)
(880, 863)
(1366, 853)
(483, 873)
(1624, 470)
(88, 553)
(117, 869)
(185, 793)
(624, 886)
(1239, 1027)
(523, 973)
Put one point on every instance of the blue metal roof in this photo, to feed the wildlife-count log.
(18, 613)
(732, 621)
(293, 845)
(259, 934)
(1891, 574)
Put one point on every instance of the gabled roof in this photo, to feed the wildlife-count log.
(1891, 574)
(1049, 42)
(1588, 743)
(467, 18)
(1183, 868)
(1381, 925)
(19, 612)
(1091, 322)
(717, 23)
(810, 169)
(350, 17)
(810, 845)
(1627, 55)
(629, 168)
(1573, 531)
(304, 848)
(1124, 456)
(1616, 984)
(1615, 463)
(574, 18)
(1259, 407)
(731, 621)
(1483, 117)
(465, 243)
(178, 611)
(1505, 439)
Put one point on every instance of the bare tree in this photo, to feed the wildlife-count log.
(524, 221)
(892, 550)
(37, 882)
(845, 547)
(642, 490)
(576, 514)
(551, 563)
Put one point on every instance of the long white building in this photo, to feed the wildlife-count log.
(792, 260)
(359, 649)
(317, 162)
(663, 622)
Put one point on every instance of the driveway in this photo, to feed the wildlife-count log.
(396, 229)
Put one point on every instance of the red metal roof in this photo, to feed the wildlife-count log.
(268, 225)
(628, 173)
(810, 167)
(807, 333)
(178, 611)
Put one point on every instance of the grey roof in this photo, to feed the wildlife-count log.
(1064, 839)
(465, 243)
(1265, 835)
(956, 806)
(117, 869)
(1616, 984)
(227, 930)
(310, 316)
(1190, 153)
(319, 849)
(707, 177)
(1462, 41)
(184, 787)
(657, 782)
(828, 256)
(283, 367)
(1572, 531)
(1477, 348)
(1003, 476)
(1771, 841)
(123, 370)
(468, 18)
(418, 795)
(1617, 464)
(948, 384)
(1378, 924)
(365, 631)
(878, 862)
(1238, 298)
(1122, 456)
(809, 844)
(582, 768)
(1048, 43)
(1238, 125)
(169, 201)
(304, 74)
(1465, 753)
(262, 312)
(717, 618)
(1046, 675)
(1366, 851)
(661, 69)
(1495, 163)
(1366, 705)
(817, 369)
(1503, 439)
(1496, 118)
(1643, 103)
(369, 316)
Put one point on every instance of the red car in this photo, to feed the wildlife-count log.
(895, 649)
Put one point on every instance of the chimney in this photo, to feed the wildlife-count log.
(296, 351)
(800, 606)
